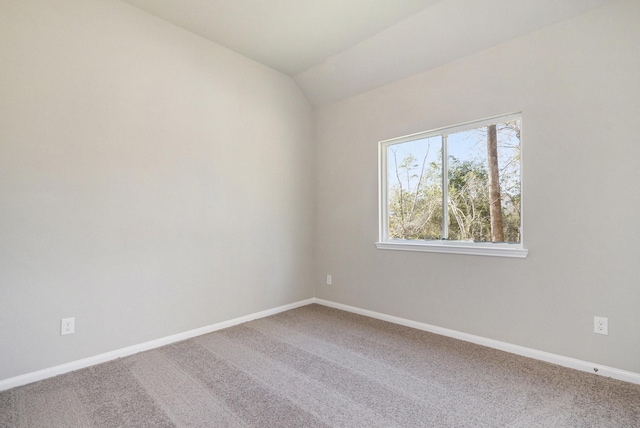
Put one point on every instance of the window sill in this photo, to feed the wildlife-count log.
(449, 247)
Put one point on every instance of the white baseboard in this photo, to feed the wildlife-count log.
(130, 350)
(496, 344)
(548, 357)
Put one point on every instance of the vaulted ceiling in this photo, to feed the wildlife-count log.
(335, 49)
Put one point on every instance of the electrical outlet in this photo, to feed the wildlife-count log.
(601, 325)
(67, 326)
(328, 279)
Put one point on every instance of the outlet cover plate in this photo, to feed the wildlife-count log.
(601, 325)
(67, 326)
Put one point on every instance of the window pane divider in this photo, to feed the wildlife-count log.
(445, 188)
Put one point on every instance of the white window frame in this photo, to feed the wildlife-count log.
(501, 249)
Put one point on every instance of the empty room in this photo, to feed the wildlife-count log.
(338, 213)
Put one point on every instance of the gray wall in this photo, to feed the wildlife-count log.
(151, 182)
(577, 85)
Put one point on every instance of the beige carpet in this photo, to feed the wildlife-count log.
(320, 367)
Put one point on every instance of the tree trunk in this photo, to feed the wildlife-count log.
(495, 204)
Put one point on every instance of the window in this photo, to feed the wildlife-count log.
(454, 190)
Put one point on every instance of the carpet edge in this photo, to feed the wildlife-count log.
(572, 363)
(24, 379)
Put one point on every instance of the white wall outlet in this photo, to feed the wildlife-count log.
(67, 326)
(328, 279)
(601, 325)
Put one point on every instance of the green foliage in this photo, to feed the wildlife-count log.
(468, 203)
(416, 213)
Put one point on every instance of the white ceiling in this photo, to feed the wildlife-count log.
(287, 35)
(339, 48)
